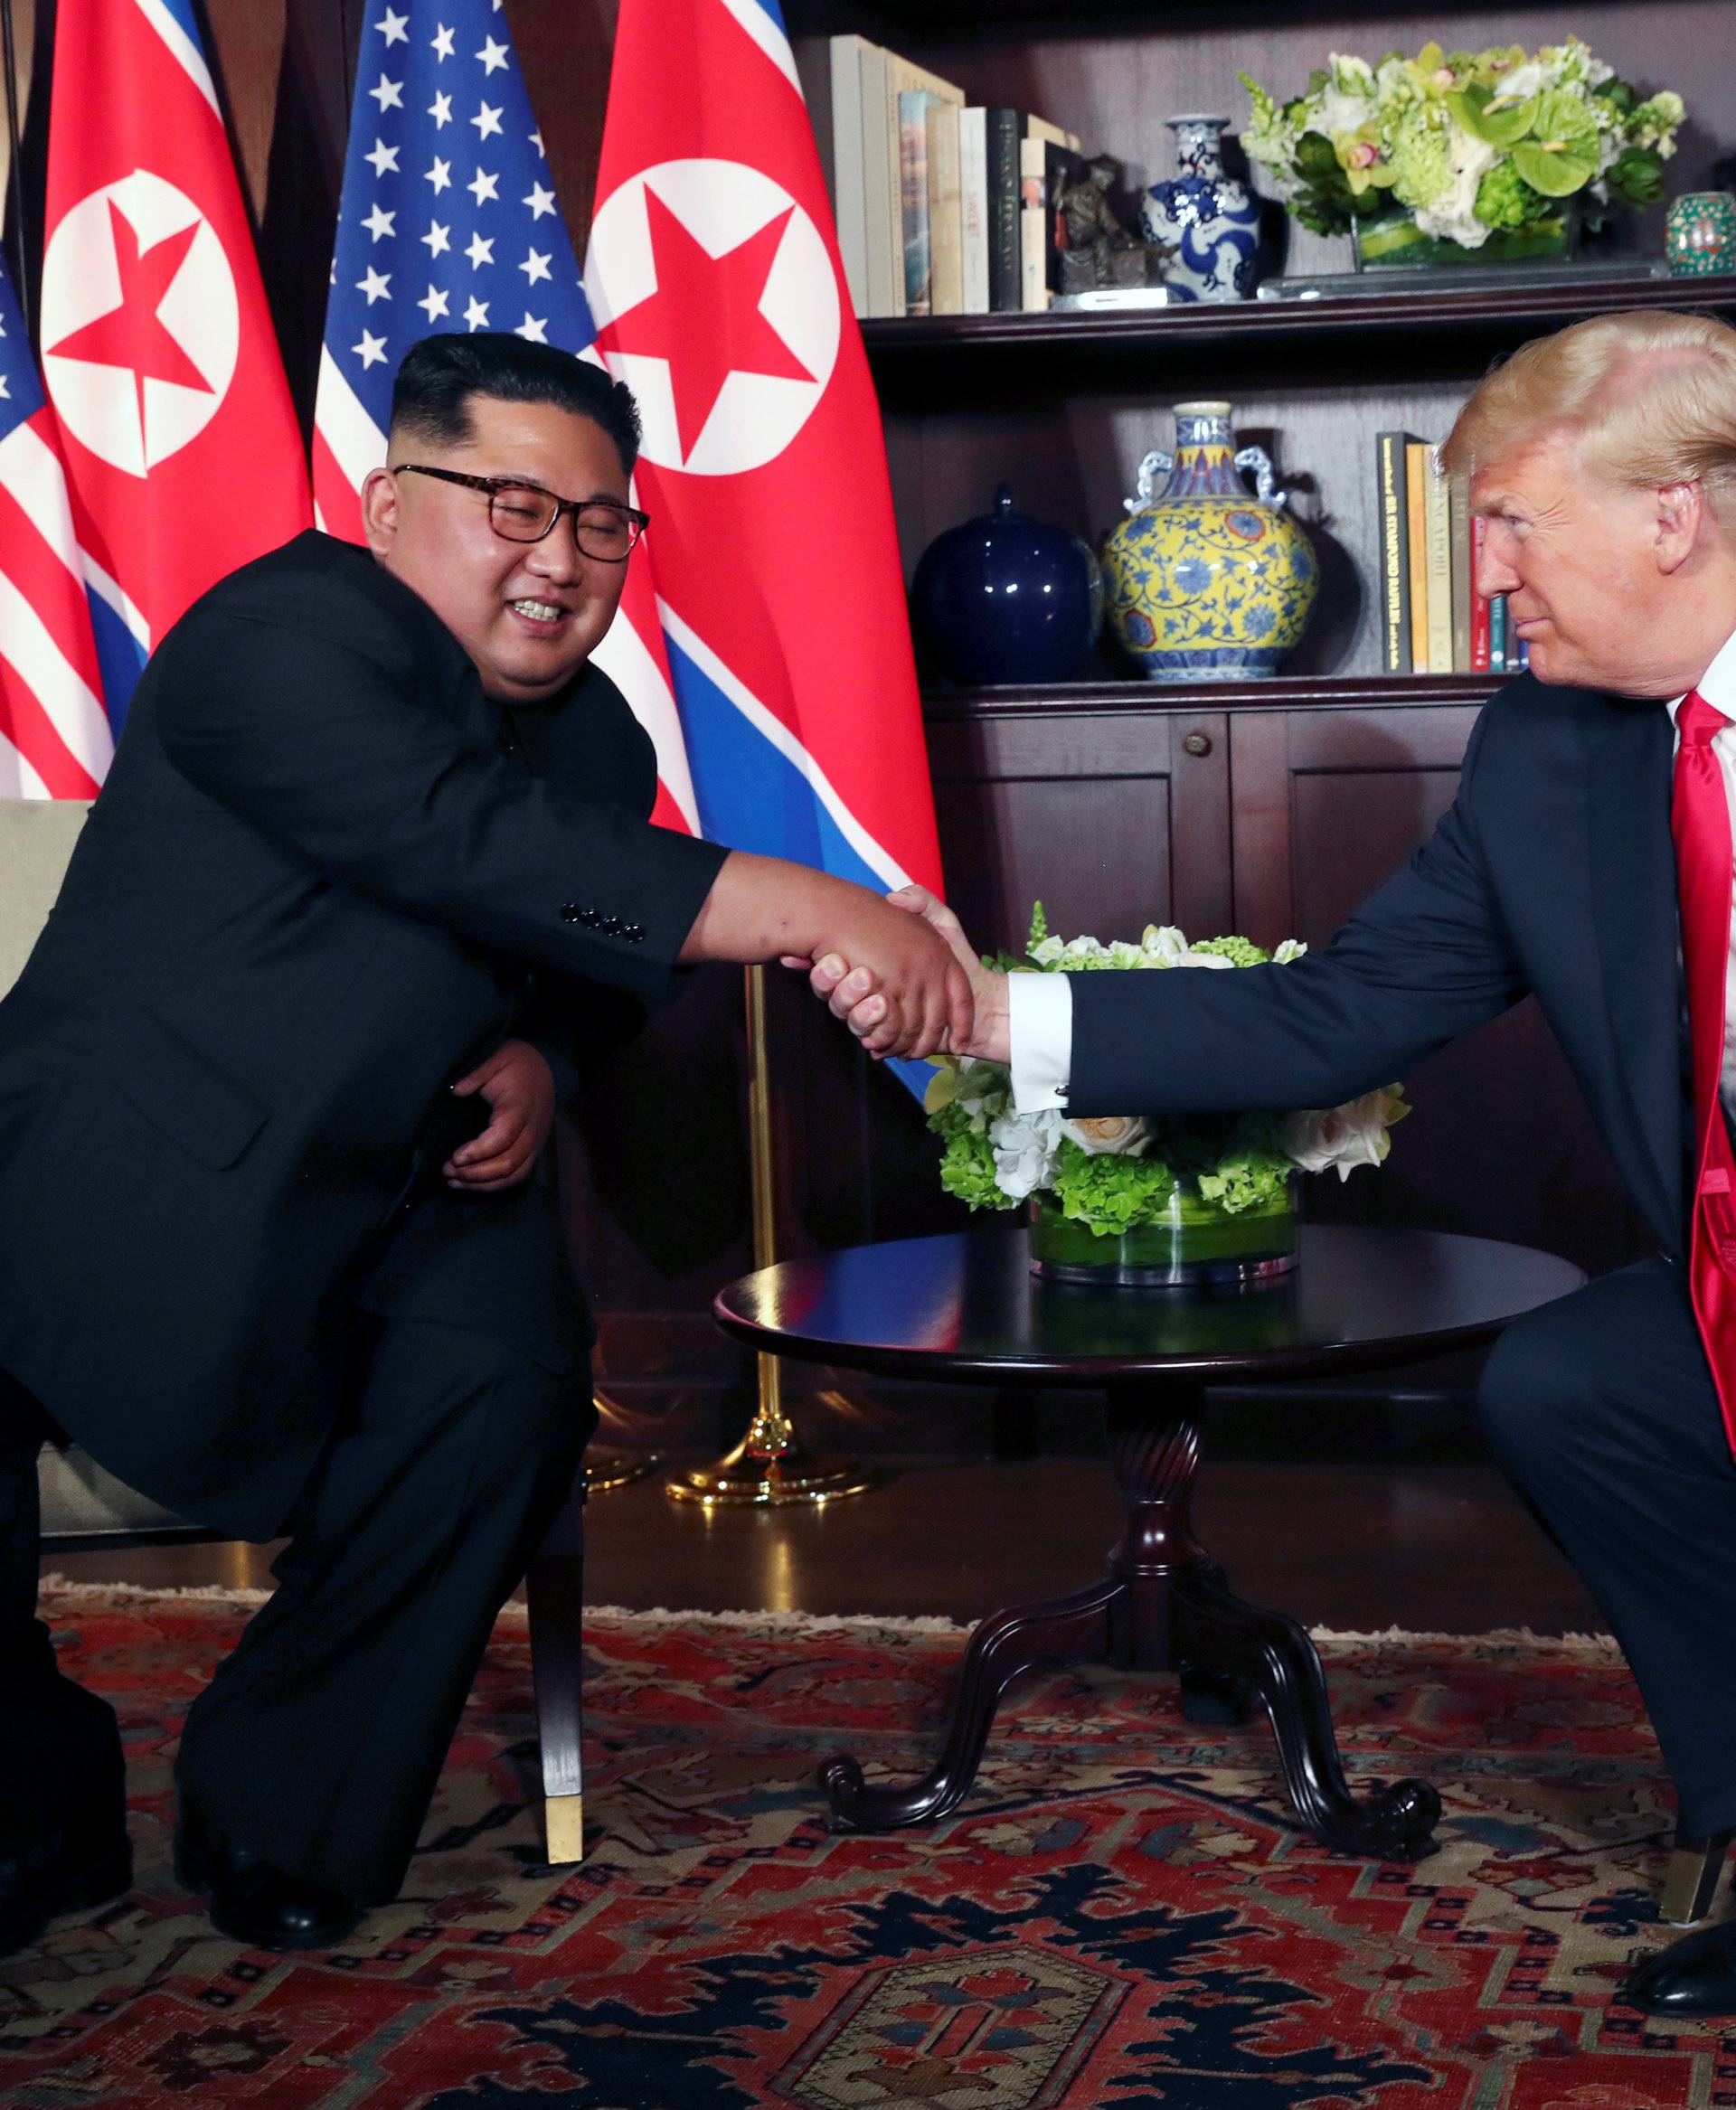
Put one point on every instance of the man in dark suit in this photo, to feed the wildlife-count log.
(374, 847)
(1596, 790)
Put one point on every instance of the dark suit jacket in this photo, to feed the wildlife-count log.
(1553, 872)
(303, 904)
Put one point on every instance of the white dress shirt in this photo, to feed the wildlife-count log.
(1040, 1007)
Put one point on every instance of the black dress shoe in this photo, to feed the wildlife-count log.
(41, 1881)
(1694, 1976)
(255, 1903)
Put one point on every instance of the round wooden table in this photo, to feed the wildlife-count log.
(965, 1308)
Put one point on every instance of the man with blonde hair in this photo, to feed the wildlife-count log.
(1587, 859)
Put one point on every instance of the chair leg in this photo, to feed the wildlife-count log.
(555, 1589)
(1693, 1876)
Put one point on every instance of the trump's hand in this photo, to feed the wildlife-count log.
(852, 990)
(519, 1087)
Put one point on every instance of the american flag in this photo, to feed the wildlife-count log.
(449, 222)
(54, 738)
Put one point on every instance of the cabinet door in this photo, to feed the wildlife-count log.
(1111, 819)
(1326, 805)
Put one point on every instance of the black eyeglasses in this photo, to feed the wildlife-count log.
(524, 513)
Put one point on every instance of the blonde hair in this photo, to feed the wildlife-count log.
(1649, 395)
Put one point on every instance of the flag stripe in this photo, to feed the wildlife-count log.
(37, 571)
(629, 662)
(352, 439)
(337, 505)
(17, 778)
(765, 26)
(31, 472)
(174, 22)
(28, 646)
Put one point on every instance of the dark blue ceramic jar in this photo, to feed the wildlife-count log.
(1005, 597)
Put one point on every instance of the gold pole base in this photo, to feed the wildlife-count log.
(563, 1828)
(607, 1469)
(751, 1477)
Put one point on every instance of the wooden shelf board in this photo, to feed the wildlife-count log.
(1281, 692)
(1535, 304)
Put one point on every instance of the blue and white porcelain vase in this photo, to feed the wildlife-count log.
(1205, 582)
(1209, 218)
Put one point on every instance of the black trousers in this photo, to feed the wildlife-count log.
(1602, 1409)
(319, 1741)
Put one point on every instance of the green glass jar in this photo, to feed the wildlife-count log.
(1194, 1242)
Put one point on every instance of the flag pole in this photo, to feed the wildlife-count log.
(15, 166)
(771, 1465)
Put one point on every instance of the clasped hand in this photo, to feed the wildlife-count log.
(855, 993)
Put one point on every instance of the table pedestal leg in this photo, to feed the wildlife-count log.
(1164, 1606)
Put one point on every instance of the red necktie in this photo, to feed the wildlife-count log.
(1700, 822)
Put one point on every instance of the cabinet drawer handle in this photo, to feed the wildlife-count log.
(1198, 743)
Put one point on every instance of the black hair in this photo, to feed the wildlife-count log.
(438, 375)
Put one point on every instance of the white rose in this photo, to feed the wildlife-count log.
(1345, 1136)
(1292, 948)
(1192, 959)
(1047, 949)
(1340, 112)
(1025, 1151)
(1453, 216)
(1162, 944)
(1109, 1135)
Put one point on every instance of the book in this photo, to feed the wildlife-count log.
(1479, 606)
(973, 209)
(843, 151)
(1034, 240)
(1004, 129)
(1392, 507)
(1416, 485)
(1041, 128)
(1458, 523)
(904, 77)
(1437, 529)
(882, 227)
(913, 198)
(946, 211)
(1499, 633)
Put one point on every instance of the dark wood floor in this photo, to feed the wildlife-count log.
(1349, 1546)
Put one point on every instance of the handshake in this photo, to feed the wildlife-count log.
(916, 992)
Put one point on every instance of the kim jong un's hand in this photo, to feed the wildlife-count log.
(854, 994)
(519, 1087)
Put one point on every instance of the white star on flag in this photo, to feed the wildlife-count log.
(388, 94)
(440, 110)
(532, 327)
(394, 28)
(434, 301)
(371, 350)
(383, 157)
(376, 285)
(534, 266)
(480, 251)
(540, 200)
(484, 187)
(493, 56)
(486, 121)
(440, 175)
(441, 42)
(438, 238)
(477, 314)
(536, 141)
(380, 222)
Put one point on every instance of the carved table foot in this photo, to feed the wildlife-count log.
(1068, 1630)
(1229, 1646)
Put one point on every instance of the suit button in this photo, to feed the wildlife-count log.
(506, 744)
(634, 934)
(572, 912)
(611, 927)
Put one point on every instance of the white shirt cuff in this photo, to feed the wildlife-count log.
(1040, 1033)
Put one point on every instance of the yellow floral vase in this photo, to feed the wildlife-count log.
(1205, 581)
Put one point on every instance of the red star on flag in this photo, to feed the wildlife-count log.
(704, 316)
(131, 335)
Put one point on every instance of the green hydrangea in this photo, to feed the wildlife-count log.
(1243, 951)
(1421, 156)
(1505, 199)
(968, 1169)
(1242, 1183)
(1109, 1193)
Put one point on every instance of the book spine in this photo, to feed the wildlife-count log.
(849, 199)
(1458, 524)
(1498, 634)
(1438, 528)
(946, 213)
(913, 198)
(1395, 574)
(882, 220)
(973, 209)
(1004, 127)
(1416, 485)
(1480, 607)
(1033, 264)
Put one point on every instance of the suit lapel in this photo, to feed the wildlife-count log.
(1634, 908)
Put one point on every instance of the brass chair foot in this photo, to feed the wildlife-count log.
(564, 1828)
(751, 1476)
(1692, 1880)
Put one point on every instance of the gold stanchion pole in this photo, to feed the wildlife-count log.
(771, 1464)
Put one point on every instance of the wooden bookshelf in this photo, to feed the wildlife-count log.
(1281, 692)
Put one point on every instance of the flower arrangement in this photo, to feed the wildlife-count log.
(1112, 1174)
(1463, 146)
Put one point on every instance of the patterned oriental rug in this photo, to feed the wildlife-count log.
(1123, 1915)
